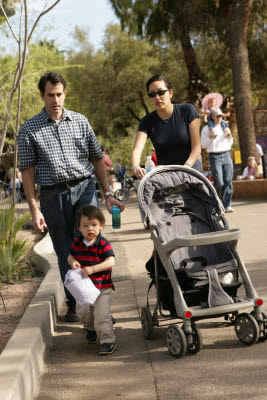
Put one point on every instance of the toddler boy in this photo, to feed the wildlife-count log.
(94, 255)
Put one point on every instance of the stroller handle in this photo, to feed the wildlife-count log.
(201, 240)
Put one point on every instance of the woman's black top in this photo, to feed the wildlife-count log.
(171, 137)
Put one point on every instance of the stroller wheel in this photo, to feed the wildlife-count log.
(197, 342)
(147, 323)
(262, 326)
(247, 329)
(122, 194)
(176, 341)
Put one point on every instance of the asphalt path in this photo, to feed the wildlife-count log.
(143, 369)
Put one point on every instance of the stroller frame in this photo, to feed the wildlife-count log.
(249, 327)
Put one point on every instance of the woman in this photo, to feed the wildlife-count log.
(172, 128)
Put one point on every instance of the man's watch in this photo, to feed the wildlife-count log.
(108, 194)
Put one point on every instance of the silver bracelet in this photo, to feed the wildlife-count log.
(135, 166)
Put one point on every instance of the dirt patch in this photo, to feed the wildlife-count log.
(18, 296)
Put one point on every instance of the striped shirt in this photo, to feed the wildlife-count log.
(93, 255)
(59, 151)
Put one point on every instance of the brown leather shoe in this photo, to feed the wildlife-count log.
(71, 315)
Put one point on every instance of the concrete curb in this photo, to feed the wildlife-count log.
(22, 361)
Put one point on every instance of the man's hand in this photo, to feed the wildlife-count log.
(111, 201)
(38, 221)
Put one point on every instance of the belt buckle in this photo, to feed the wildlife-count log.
(69, 185)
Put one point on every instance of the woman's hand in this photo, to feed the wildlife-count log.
(139, 172)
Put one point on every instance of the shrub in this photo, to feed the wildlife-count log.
(12, 250)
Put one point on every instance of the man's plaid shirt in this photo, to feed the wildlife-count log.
(60, 151)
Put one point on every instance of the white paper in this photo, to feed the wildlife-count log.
(81, 288)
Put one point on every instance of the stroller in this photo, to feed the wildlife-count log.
(123, 193)
(196, 268)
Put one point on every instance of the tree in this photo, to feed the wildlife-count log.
(176, 19)
(22, 39)
(109, 86)
(241, 10)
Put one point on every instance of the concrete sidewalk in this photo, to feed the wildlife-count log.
(141, 369)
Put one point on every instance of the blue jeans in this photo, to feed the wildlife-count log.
(222, 172)
(59, 206)
(197, 166)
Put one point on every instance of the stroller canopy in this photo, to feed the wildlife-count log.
(160, 188)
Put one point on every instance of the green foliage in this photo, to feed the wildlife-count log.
(31, 103)
(12, 250)
(108, 87)
(11, 257)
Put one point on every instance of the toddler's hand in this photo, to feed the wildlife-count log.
(75, 265)
(86, 271)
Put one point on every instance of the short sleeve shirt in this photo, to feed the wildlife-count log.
(171, 138)
(60, 151)
(94, 254)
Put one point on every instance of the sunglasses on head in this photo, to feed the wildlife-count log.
(159, 93)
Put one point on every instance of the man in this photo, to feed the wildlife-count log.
(217, 143)
(58, 149)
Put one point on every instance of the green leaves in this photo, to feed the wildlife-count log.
(12, 250)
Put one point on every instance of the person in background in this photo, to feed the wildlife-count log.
(108, 165)
(211, 102)
(217, 143)
(154, 157)
(94, 255)
(251, 171)
(172, 128)
(17, 185)
(259, 159)
(59, 151)
(118, 166)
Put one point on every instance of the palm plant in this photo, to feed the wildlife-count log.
(12, 249)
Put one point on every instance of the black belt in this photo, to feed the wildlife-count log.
(220, 152)
(68, 184)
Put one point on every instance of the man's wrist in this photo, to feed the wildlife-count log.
(106, 194)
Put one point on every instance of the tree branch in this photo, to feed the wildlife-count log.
(42, 13)
(143, 103)
(7, 20)
(128, 108)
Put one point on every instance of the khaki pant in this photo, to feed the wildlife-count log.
(97, 317)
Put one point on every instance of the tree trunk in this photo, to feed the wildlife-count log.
(198, 84)
(241, 10)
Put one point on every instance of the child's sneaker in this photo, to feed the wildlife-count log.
(91, 336)
(107, 348)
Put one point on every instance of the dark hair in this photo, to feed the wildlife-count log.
(156, 78)
(52, 77)
(90, 212)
